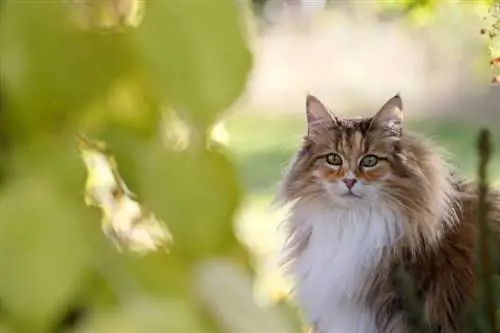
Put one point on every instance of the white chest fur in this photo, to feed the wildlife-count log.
(340, 251)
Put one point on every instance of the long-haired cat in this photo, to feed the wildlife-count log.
(366, 197)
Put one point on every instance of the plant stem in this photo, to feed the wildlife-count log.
(484, 148)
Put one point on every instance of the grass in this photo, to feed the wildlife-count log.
(262, 145)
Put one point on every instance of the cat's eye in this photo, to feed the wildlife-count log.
(334, 159)
(369, 161)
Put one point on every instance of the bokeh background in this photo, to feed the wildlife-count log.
(201, 105)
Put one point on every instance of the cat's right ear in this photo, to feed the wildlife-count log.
(318, 116)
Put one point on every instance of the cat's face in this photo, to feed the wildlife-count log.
(350, 160)
(349, 164)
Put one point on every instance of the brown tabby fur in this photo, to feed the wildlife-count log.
(438, 247)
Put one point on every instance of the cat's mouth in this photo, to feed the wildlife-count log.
(350, 194)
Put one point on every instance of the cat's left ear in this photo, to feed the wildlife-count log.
(390, 115)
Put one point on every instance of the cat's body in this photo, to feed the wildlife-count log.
(367, 198)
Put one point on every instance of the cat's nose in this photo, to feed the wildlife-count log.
(349, 183)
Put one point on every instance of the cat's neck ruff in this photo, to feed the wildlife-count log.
(337, 250)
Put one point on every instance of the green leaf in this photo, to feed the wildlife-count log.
(43, 251)
(196, 193)
(147, 314)
(197, 52)
(131, 106)
(55, 158)
(160, 273)
(123, 146)
(50, 70)
(4, 328)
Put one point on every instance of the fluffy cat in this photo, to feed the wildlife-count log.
(365, 197)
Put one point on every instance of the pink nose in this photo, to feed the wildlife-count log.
(349, 183)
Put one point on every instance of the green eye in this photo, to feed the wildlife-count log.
(369, 161)
(334, 159)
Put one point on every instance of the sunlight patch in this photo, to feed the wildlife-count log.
(106, 14)
(125, 221)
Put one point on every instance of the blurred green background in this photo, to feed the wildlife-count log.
(165, 84)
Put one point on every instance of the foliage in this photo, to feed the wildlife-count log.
(488, 288)
(70, 66)
(492, 31)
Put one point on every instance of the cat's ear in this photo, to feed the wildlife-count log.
(318, 115)
(390, 115)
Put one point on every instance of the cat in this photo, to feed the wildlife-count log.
(365, 198)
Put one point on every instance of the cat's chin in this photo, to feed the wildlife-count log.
(350, 199)
(346, 199)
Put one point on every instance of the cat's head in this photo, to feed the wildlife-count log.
(368, 162)
(348, 160)
(362, 160)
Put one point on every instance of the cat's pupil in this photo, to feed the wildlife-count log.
(333, 159)
(369, 161)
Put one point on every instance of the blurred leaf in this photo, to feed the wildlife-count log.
(160, 273)
(49, 234)
(131, 105)
(4, 328)
(196, 193)
(42, 244)
(151, 315)
(197, 52)
(57, 78)
(50, 70)
(123, 145)
(54, 157)
(422, 15)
